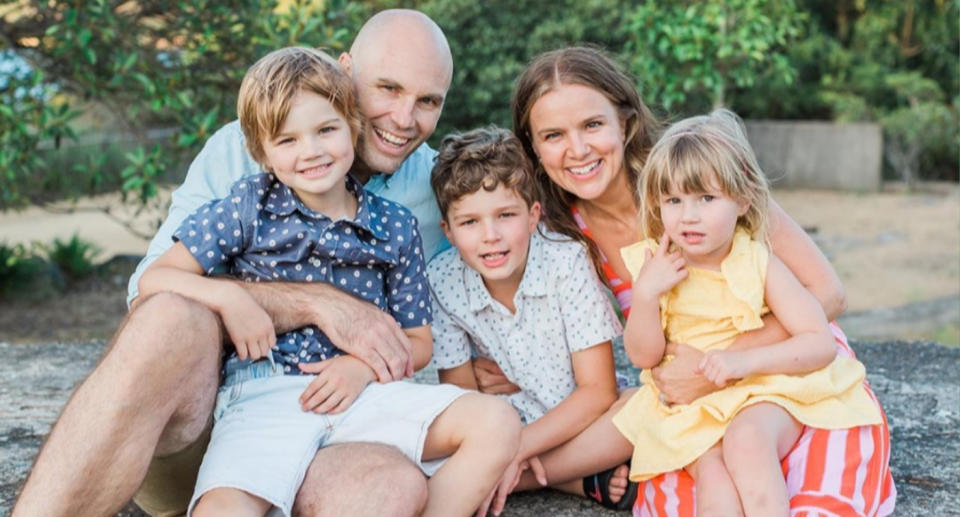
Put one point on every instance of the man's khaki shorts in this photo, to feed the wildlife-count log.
(170, 480)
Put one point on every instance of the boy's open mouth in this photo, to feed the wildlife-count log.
(494, 259)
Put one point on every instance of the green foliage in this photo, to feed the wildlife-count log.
(150, 64)
(492, 42)
(73, 257)
(29, 114)
(26, 275)
(691, 54)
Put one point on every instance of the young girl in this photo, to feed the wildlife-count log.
(703, 276)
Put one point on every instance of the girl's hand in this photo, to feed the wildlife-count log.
(339, 382)
(660, 272)
(248, 325)
(722, 367)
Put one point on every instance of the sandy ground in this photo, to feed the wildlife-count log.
(890, 248)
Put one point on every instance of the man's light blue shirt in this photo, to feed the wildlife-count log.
(224, 159)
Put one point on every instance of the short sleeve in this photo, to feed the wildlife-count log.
(586, 312)
(222, 161)
(408, 294)
(451, 344)
(745, 271)
(221, 229)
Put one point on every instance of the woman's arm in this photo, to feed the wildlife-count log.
(596, 390)
(804, 259)
(459, 376)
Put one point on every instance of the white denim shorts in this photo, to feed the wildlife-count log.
(262, 441)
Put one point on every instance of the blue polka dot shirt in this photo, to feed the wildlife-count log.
(262, 232)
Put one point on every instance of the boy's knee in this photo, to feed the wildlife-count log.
(496, 423)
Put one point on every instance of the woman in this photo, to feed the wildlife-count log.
(581, 120)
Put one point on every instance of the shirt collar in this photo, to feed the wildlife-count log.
(533, 283)
(282, 201)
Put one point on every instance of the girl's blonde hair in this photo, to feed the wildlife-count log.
(697, 152)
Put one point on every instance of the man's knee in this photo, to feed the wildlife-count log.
(172, 329)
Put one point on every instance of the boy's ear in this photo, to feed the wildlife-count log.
(446, 229)
(534, 215)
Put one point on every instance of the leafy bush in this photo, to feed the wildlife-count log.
(73, 257)
(24, 274)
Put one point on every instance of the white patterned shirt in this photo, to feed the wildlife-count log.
(561, 308)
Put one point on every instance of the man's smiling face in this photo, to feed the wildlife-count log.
(401, 74)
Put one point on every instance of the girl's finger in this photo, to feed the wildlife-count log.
(664, 244)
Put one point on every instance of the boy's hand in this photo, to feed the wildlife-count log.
(660, 272)
(724, 366)
(248, 325)
(491, 379)
(339, 382)
(497, 499)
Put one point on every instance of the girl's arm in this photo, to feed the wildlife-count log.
(643, 336)
(596, 391)
(247, 324)
(459, 376)
(809, 347)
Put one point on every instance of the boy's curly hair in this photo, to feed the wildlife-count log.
(482, 158)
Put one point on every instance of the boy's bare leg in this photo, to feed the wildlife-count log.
(716, 494)
(230, 501)
(753, 445)
(599, 447)
(361, 480)
(481, 434)
(152, 392)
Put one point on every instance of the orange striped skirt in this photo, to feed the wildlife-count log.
(844, 473)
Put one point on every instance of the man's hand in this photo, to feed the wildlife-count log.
(678, 380)
(339, 382)
(362, 330)
(248, 325)
(490, 378)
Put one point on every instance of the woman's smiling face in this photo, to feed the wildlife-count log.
(579, 139)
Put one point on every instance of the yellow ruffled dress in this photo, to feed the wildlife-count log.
(708, 310)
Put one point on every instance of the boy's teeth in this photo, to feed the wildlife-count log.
(393, 139)
(494, 255)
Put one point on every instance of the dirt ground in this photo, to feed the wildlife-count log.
(892, 250)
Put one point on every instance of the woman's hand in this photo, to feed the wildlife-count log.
(490, 378)
(678, 380)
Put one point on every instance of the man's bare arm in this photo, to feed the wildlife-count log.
(353, 325)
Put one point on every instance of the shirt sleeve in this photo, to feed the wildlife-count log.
(221, 229)
(588, 317)
(222, 161)
(451, 344)
(408, 294)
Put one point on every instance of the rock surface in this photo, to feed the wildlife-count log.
(917, 382)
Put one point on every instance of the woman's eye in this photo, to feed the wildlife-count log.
(593, 124)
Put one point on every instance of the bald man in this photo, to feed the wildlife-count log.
(143, 416)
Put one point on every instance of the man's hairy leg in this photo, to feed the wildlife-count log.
(361, 479)
(152, 392)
